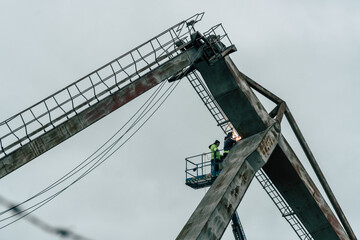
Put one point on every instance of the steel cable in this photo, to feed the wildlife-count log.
(95, 165)
(80, 167)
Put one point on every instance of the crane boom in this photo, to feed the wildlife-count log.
(178, 52)
(46, 124)
(93, 113)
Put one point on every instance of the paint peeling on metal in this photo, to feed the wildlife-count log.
(93, 113)
(243, 85)
(310, 185)
(216, 209)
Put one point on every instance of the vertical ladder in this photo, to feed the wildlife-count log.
(209, 102)
(282, 205)
(261, 176)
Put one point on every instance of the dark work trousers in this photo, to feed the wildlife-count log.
(215, 165)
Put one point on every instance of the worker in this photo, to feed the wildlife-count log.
(215, 157)
(229, 142)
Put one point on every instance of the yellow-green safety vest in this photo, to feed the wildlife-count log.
(215, 152)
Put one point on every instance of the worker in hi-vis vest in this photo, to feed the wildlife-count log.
(215, 157)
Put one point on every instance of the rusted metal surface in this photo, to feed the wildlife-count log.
(208, 100)
(320, 175)
(281, 111)
(261, 89)
(216, 209)
(92, 114)
(50, 112)
(231, 90)
(234, 96)
(277, 113)
(291, 179)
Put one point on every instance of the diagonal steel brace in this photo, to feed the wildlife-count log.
(216, 209)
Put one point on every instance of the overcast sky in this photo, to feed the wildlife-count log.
(306, 52)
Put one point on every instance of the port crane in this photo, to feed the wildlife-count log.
(203, 58)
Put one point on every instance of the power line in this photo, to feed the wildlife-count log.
(62, 232)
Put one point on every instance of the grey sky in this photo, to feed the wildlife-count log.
(307, 53)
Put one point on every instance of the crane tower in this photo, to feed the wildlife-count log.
(204, 59)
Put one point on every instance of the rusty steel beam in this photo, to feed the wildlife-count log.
(233, 91)
(296, 187)
(97, 111)
(261, 89)
(319, 174)
(273, 112)
(278, 112)
(281, 111)
(234, 96)
(216, 209)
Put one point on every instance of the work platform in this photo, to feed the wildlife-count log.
(198, 171)
(204, 59)
(199, 174)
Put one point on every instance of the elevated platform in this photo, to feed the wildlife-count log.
(198, 171)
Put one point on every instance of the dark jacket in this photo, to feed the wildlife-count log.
(228, 143)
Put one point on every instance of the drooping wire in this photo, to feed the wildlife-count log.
(139, 126)
(95, 165)
(99, 162)
(84, 163)
(50, 198)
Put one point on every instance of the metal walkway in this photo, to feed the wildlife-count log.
(261, 176)
(49, 113)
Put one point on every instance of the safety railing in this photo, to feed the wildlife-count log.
(218, 39)
(197, 165)
(199, 171)
(87, 91)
